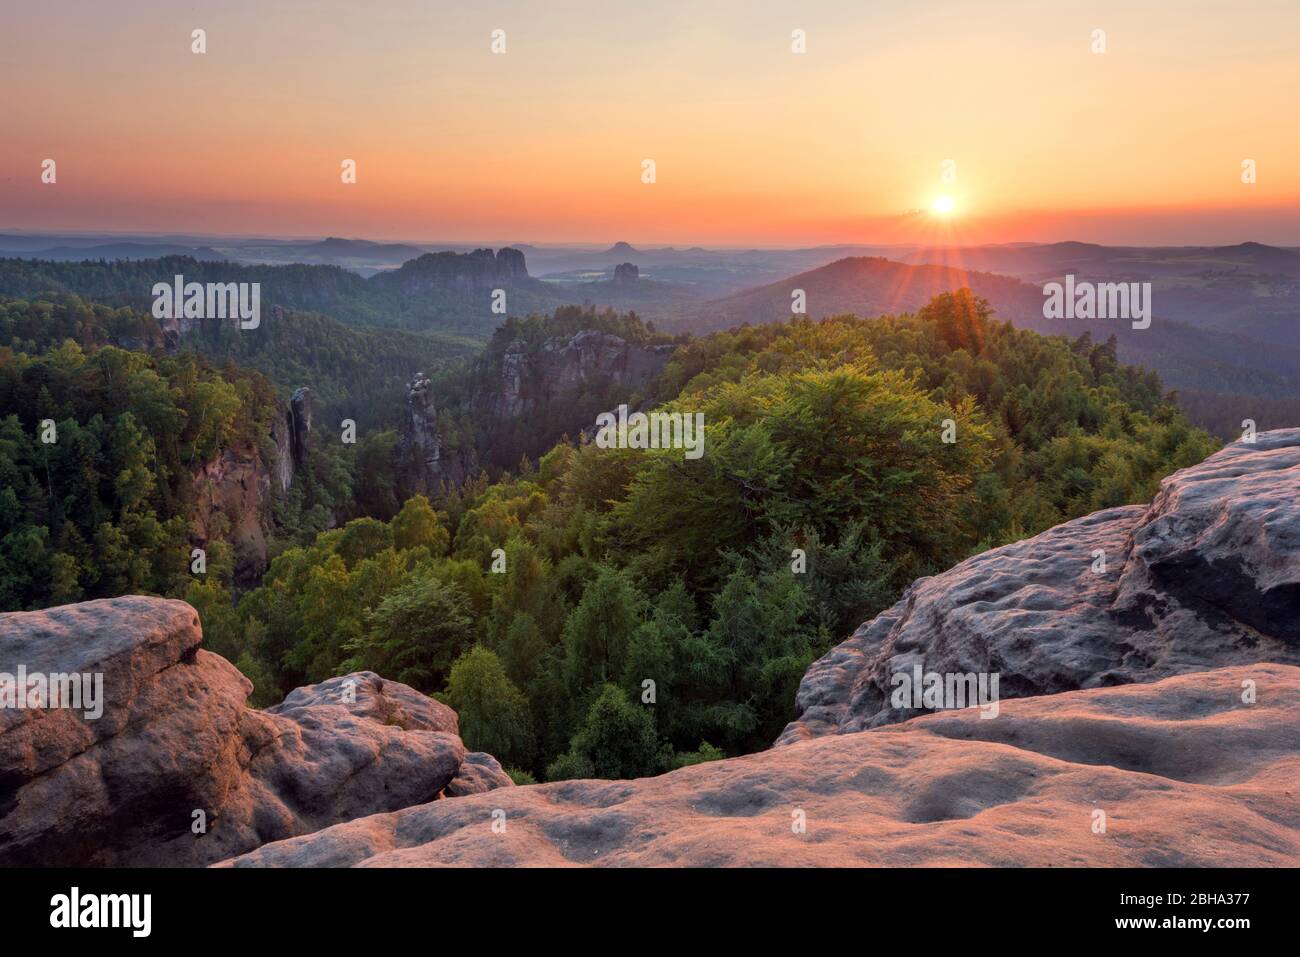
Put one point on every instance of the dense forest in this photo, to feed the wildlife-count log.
(97, 451)
(102, 434)
(827, 487)
(355, 372)
(606, 612)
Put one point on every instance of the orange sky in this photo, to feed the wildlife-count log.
(753, 144)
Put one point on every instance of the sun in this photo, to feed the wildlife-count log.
(943, 206)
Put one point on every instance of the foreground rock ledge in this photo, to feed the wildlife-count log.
(1184, 771)
(176, 745)
(1207, 575)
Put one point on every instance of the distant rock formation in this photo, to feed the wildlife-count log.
(1186, 774)
(178, 770)
(282, 437)
(1207, 575)
(420, 446)
(291, 433)
(529, 378)
(481, 269)
(301, 406)
(626, 272)
(233, 489)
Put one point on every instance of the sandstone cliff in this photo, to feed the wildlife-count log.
(422, 453)
(478, 270)
(230, 496)
(563, 380)
(587, 359)
(233, 490)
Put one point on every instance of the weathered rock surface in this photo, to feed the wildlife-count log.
(1207, 575)
(176, 738)
(479, 772)
(1181, 772)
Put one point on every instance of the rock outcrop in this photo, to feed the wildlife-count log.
(552, 380)
(479, 772)
(232, 490)
(626, 272)
(282, 437)
(301, 406)
(420, 451)
(1207, 575)
(230, 496)
(559, 367)
(177, 770)
(1179, 773)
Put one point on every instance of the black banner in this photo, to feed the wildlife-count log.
(519, 907)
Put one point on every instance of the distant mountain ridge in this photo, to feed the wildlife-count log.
(1186, 356)
(129, 251)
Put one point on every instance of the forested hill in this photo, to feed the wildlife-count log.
(827, 486)
(445, 292)
(1229, 361)
(355, 372)
(457, 300)
(151, 449)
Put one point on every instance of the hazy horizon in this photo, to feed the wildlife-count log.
(579, 244)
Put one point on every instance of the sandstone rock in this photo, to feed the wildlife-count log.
(371, 697)
(1185, 773)
(1207, 575)
(511, 262)
(479, 772)
(176, 738)
(626, 272)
